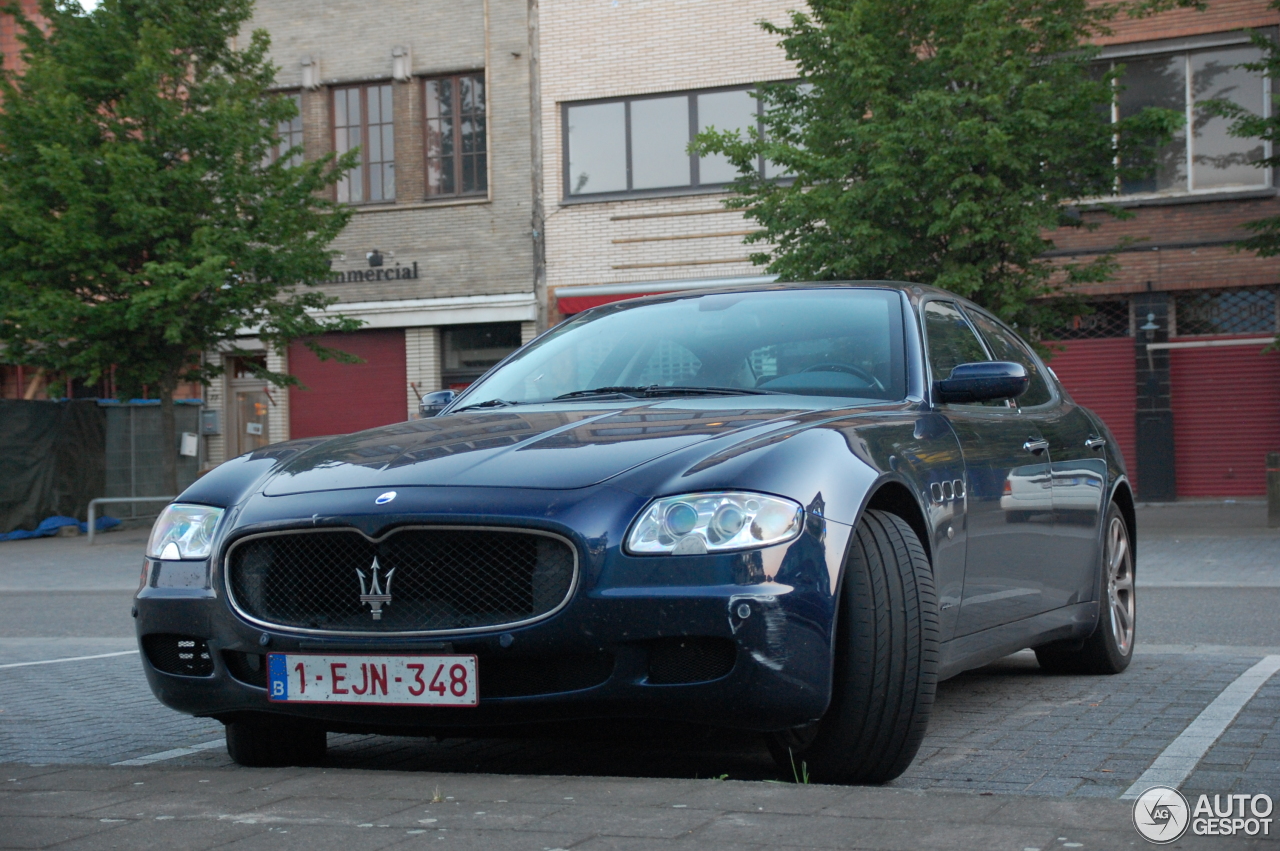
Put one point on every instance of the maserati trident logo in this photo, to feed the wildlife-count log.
(374, 594)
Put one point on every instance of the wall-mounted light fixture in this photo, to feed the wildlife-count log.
(1150, 328)
(375, 258)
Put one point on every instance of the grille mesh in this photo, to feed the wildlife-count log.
(186, 655)
(436, 579)
(690, 660)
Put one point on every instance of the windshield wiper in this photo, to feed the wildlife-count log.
(653, 390)
(491, 403)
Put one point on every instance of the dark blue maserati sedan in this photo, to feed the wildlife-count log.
(789, 509)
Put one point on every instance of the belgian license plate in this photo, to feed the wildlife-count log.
(384, 680)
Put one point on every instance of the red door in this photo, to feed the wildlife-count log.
(340, 398)
(1226, 418)
(1101, 376)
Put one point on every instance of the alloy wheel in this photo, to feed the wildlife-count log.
(1119, 556)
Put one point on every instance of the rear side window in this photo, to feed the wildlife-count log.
(1006, 346)
(951, 339)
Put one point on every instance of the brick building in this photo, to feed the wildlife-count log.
(1171, 357)
(439, 259)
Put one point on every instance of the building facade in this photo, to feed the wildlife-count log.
(1171, 354)
(439, 260)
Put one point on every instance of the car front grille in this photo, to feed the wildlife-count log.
(427, 579)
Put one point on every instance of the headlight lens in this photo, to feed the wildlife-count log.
(698, 523)
(184, 532)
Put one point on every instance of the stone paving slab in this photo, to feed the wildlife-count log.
(333, 809)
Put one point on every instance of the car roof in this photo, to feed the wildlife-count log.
(914, 292)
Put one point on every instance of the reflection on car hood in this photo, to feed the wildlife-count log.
(541, 447)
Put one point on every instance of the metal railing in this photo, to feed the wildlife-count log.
(111, 500)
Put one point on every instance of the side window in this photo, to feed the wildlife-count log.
(951, 339)
(1006, 346)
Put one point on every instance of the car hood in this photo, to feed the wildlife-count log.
(543, 446)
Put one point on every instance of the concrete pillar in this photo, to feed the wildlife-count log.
(215, 395)
(278, 414)
(422, 364)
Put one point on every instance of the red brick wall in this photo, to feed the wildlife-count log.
(1221, 16)
(9, 44)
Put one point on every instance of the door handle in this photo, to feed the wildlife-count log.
(1095, 443)
(1036, 445)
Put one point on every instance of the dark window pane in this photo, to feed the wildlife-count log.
(1159, 82)
(1006, 346)
(724, 111)
(597, 148)
(659, 141)
(482, 174)
(1218, 158)
(1242, 311)
(952, 340)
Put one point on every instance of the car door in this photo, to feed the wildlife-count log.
(1079, 468)
(1009, 501)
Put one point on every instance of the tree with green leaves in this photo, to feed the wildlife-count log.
(144, 220)
(1265, 241)
(940, 142)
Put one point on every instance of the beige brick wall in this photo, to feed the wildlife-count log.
(215, 445)
(278, 413)
(422, 363)
(461, 247)
(528, 330)
(603, 49)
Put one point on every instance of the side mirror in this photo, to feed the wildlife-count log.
(981, 382)
(433, 403)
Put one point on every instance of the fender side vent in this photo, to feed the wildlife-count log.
(674, 661)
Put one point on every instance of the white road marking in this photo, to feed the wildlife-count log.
(171, 754)
(1180, 758)
(69, 659)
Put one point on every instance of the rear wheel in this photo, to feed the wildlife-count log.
(885, 667)
(265, 745)
(1110, 648)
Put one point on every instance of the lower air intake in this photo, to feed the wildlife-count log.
(184, 655)
(674, 661)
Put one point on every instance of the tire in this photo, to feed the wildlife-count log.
(1109, 649)
(259, 745)
(886, 664)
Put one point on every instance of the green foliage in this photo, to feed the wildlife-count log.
(142, 222)
(939, 142)
(1266, 239)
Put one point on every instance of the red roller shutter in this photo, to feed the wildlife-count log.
(342, 398)
(1102, 375)
(1226, 418)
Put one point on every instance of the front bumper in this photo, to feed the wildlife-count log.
(775, 609)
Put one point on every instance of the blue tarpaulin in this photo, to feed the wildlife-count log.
(51, 525)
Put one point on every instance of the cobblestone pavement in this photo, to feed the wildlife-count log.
(1041, 747)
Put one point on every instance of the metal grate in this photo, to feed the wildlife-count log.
(690, 660)
(414, 580)
(1107, 319)
(1236, 311)
(185, 655)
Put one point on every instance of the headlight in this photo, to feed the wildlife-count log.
(184, 532)
(699, 523)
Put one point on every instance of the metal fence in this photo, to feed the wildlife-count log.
(134, 461)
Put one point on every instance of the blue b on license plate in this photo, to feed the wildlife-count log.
(386, 680)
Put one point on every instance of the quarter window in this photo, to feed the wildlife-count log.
(1208, 158)
(362, 118)
(456, 136)
(640, 144)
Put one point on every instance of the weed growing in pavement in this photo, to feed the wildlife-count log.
(801, 776)
(435, 796)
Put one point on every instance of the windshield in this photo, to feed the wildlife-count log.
(839, 342)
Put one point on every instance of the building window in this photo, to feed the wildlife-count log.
(470, 350)
(362, 119)
(1235, 311)
(456, 136)
(289, 134)
(1208, 158)
(640, 144)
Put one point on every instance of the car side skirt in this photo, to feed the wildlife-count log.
(981, 648)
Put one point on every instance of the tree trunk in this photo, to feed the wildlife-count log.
(169, 439)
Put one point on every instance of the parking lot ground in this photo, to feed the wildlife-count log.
(1013, 758)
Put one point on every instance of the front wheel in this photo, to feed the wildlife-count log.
(1110, 648)
(886, 664)
(265, 745)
